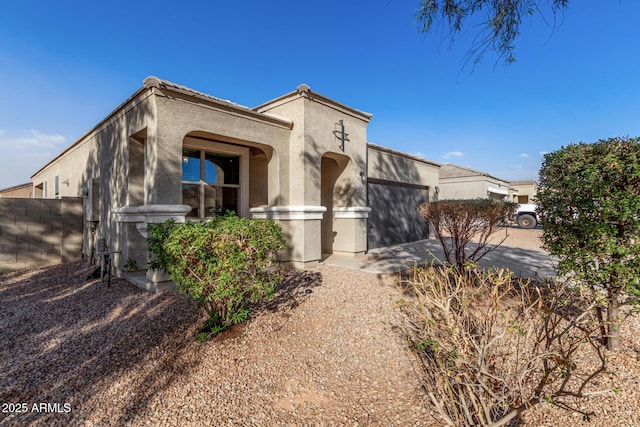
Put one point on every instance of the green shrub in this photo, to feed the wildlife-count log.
(590, 204)
(158, 234)
(131, 265)
(224, 264)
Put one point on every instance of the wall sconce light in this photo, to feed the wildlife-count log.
(437, 189)
(66, 182)
(363, 177)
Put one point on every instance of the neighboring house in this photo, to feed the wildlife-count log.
(458, 182)
(301, 159)
(526, 191)
(22, 191)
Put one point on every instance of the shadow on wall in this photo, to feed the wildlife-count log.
(342, 175)
(333, 176)
(114, 175)
(394, 195)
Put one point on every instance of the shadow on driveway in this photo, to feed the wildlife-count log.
(391, 259)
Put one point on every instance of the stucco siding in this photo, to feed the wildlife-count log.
(97, 167)
(182, 117)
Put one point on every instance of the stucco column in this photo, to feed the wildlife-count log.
(301, 228)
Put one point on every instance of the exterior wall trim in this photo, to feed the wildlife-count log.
(150, 214)
(355, 212)
(285, 213)
(498, 191)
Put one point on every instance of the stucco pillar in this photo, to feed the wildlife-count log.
(301, 228)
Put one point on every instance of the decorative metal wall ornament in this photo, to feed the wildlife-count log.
(341, 135)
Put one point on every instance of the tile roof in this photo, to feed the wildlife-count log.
(449, 170)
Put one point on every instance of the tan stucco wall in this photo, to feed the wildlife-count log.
(390, 165)
(102, 155)
(180, 117)
(529, 190)
(134, 157)
(469, 187)
(20, 191)
(321, 172)
(315, 119)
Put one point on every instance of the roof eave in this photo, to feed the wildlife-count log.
(303, 91)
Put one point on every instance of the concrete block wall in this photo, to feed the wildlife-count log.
(39, 232)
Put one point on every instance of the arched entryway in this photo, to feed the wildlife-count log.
(336, 191)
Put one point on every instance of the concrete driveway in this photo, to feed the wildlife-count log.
(391, 259)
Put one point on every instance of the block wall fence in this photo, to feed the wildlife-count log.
(39, 232)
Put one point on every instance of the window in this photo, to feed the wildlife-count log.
(45, 189)
(56, 187)
(210, 182)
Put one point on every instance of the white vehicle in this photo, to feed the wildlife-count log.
(526, 215)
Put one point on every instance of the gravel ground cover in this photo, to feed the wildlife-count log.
(325, 350)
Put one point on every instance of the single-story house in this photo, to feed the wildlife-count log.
(22, 191)
(459, 182)
(527, 191)
(301, 159)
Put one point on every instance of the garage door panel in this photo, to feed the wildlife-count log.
(394, 218)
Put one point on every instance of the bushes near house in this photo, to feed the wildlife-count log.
(225, 264)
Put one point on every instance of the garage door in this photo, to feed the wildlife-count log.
(394, 218)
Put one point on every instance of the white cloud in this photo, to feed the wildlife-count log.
(524, 155)
(30, 139)
(23, 153)
(452, 154)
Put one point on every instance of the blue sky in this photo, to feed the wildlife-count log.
(65, 65)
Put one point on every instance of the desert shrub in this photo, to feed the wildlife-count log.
(458, 222)
(224, 264)
(492, 346)
(131, 265)
(590, 204)
(158, 234)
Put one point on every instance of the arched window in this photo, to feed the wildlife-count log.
(210, 182)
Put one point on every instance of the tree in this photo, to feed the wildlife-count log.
(590, 208)
(459, 222)
(499, 26)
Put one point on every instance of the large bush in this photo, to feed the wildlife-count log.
(590, 208)
(224, 264)
(458, 223)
